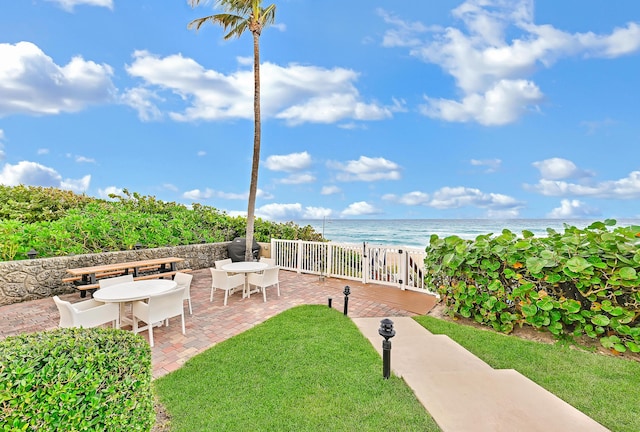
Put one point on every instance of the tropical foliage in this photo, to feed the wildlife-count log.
(59, 223)
(579, 282)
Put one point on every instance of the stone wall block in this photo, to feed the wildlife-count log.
(42, 277)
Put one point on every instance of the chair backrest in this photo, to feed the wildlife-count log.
(219, 279)
(184, 281)
(268, 261)
(66, 312)
(166, 305)
(270, 276)
(115, 280)
(220, 263)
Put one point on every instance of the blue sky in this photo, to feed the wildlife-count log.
(371, 108)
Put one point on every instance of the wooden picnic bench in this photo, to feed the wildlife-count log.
(86, 278)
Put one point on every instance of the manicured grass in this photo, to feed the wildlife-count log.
(605, 388)
(307, 369)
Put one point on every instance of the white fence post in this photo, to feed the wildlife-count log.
(299, 257)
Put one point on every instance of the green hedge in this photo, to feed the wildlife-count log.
(59, 223)
(76, 380)
(579, 282)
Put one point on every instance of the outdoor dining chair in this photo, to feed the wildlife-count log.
(222, 280)
(269, 277)
(158, 309)
(184, 281)
(88, 313)
(115, 280)
(222, 262)
(268, 261)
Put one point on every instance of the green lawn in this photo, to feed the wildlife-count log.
(310, 369)
(605, 388)
(307, 369)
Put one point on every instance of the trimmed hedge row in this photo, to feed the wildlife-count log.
(580, 282)
(76, 380)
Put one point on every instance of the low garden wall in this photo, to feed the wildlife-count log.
(42, 277)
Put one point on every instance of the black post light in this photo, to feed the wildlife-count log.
(330, 300)
(346, 293)
(32, 253)
(387, 332)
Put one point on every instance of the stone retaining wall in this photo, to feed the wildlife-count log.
(40, 278)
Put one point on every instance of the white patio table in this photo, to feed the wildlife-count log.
(131, 291)
(245, 267)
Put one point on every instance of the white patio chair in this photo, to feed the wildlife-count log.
(184, 281)
(115, 280)
(268, 261)
(220, 263)
(222, 280)
(88, 313)
(269, 277)
(159, 309)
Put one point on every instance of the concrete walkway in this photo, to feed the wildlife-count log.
(462, 393)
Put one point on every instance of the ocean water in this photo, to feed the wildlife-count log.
(416, 232)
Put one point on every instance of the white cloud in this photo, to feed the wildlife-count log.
(84, 159)
(279, 211)
(410, 199)
(286, 212)
(2, 154)
(295, 93)
(289, 163)
(298, 179)
(625, 188)
(559, 168)
(360, 208)
(31, 83)
(35, 174)
(405, 34)
(170, 187)
(502, 104)
(42, 151)
(330, 190)
(492, 165)
(69, 5)
(572, 209)
(494, 52)
(143, 101)
(197, 194)
(110, 190)
(316, 213)
(201, 153)
(456, 197)
(366, 169)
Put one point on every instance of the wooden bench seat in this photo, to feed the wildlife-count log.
(142, 277)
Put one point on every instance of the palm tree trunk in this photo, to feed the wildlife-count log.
(253, 187)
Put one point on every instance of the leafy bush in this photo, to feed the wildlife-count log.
(76, 380)
(580, 282)
(89, 225)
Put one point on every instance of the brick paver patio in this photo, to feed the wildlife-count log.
(212, 322)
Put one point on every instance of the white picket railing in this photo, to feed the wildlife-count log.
(397, 266)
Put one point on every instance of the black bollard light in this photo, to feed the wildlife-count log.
(330, 300)
(346, 293)
(387, 332)
(32, 253)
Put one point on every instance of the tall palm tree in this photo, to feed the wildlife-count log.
(239, 16)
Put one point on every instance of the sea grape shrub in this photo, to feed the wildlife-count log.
(578, 282)
(89, 225)
(74, 379)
